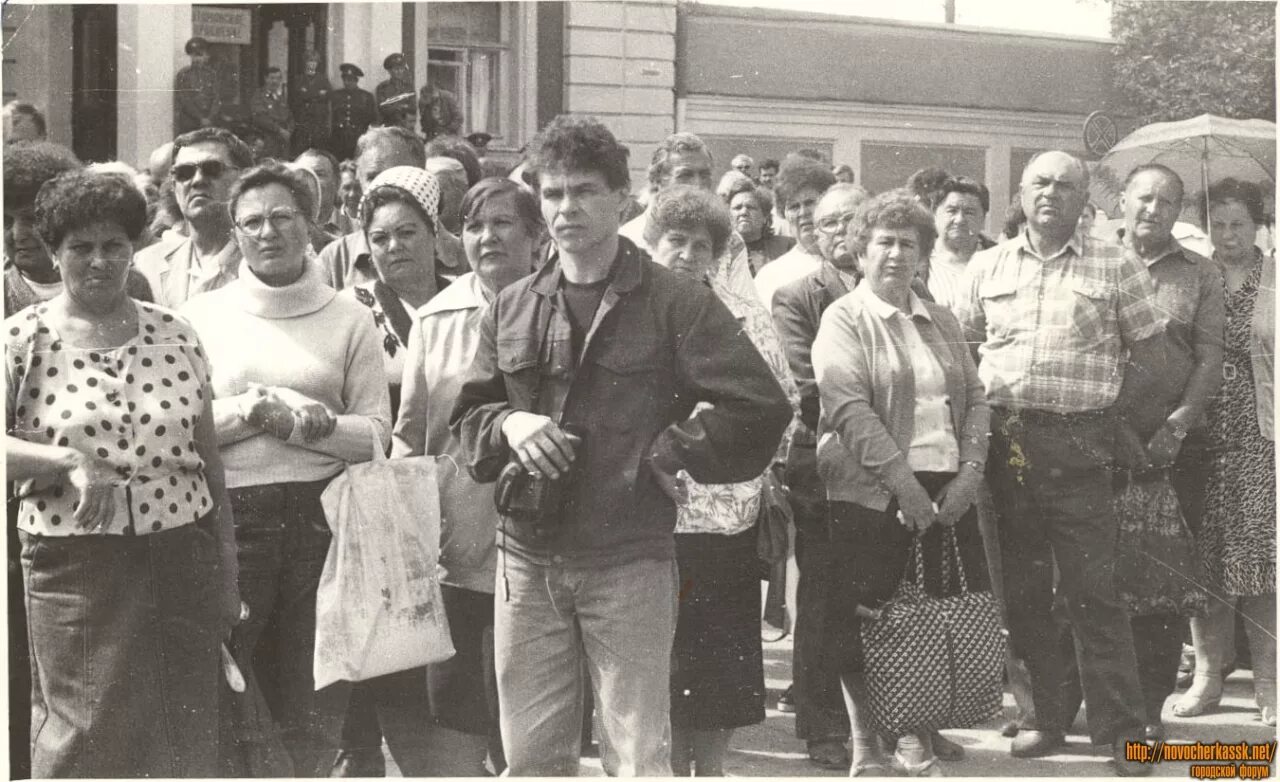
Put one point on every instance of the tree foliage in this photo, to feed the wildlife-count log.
(1176, 60)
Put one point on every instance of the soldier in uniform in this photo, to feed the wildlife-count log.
(353, 110)
(271, 115)
(311, 106)
(439, 113)
(399, 83)
(195, 91)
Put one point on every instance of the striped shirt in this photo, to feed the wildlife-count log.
(1052, 332)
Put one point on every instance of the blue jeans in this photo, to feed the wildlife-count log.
(621, 620)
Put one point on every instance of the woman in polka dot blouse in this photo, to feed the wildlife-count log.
(127, 547)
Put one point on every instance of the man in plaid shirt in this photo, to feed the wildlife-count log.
(1068, 341)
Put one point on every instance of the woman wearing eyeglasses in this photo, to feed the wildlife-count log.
(299, 394)
(128, 556)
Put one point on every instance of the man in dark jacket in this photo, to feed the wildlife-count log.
(271, 114)
(195, 91)
(352, 109)
(605, 343)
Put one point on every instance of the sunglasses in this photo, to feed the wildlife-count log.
(212, 169)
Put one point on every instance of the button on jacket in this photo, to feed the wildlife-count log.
(657, 347)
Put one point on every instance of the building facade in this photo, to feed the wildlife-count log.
(885, 97)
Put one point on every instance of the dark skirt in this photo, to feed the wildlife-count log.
(869, 549)
(463, 689)
(124, 647)
(717, 665)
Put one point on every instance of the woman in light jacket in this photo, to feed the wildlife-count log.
(902, 446)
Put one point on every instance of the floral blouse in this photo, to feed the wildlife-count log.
(135, 407)
(731, 508)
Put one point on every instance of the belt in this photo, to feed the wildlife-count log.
(1047, 418)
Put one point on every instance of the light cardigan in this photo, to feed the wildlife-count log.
(868, 397)
(306, 338)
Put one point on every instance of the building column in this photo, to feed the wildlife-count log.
(998, 178)
(150, 53)
(364, 34)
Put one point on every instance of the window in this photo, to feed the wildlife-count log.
(469, 54)
(887, 165)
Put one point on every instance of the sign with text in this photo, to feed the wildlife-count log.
(222, 25)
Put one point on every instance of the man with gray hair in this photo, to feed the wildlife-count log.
(347, 260)
(684, 159)
(744, 165)
(1070, 347)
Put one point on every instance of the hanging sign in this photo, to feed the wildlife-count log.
(222, 25)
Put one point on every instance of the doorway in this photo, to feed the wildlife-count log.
(94, 82)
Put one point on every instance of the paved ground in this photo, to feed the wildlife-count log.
(771, 749)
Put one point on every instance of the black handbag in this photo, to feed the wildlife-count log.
(934, 662)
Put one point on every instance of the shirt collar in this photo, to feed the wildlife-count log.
(886, 310)
(226, 258)
(1075, 244)
(465, 293)
(1173, 250)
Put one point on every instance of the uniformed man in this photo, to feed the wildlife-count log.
(352, 110)
(311, 106)
(439, 112)
(400, 82)
(271, 115)
(195, 91)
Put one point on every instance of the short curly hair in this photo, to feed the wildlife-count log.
(272, 172)
(77, 199)
(960, 184)
(28, 165)
(799, 173)
(239, 152)
(493, 188)
(893, 210)
(684, 207)
(576, 143)
(1242, 191)
(682, 141)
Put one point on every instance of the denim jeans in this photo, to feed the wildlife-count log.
(1053, 498)
(621, 620)
(283, 540)
(124, 652)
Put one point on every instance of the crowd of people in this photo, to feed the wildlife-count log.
(195, 351)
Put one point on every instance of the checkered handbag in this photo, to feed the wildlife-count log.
(934, 662)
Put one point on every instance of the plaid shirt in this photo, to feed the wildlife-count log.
(1052, 332)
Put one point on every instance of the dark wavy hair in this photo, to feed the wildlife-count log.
(893, 210)
(272, 172)
(76, 199)
(1246, 193)
(28, 165)
(960, 184)
(460, 150)
(762, 197)
(492, 188)
(801, 173)
(239, 152)
(576, 143)
(685, 207)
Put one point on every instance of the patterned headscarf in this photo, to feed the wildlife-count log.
(418, 183)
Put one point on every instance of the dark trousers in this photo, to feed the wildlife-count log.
(124, 652)
(820, 709)
(1052, 489)
(283, 540)
(1157, 644)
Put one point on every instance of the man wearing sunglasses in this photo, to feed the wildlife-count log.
(205, 163)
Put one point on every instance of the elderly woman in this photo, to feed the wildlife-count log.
(298, 397)
(1238, 530)
(500, 230)
(751, 207)
(717, 674)
(902, 443)
(399, 213)
(127, 551)
(960, 207)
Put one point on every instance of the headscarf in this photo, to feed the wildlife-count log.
(419, 183)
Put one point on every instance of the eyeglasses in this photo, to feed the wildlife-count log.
(834, 223)
(280, 219)
(212, 169)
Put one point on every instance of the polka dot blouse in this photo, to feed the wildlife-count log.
(135, 407)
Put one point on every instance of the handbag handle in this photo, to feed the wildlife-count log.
(951, 545)
(915, 563)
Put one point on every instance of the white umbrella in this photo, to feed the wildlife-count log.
(1201, 150)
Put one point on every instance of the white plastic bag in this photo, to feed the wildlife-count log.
(379, 609)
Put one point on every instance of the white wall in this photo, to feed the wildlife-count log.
(38, 41)
(151, 38)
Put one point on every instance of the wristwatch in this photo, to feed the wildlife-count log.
(1176, 429)
(975, 464)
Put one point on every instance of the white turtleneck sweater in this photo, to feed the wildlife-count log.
(306, 338)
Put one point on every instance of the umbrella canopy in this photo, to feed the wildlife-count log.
(1202, 150)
